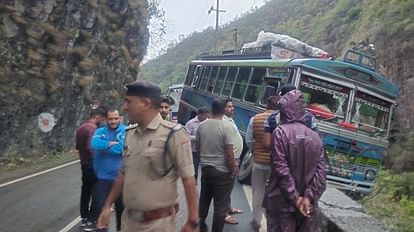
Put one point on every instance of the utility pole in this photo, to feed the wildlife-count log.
(217, 10)
(235, 32)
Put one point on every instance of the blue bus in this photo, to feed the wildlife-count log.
(351, 102)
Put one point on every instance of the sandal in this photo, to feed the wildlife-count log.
(236, 211)
(230, 220)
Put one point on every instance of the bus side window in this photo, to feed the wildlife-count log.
(231, 76)
(213, 77)
(220, 80)
(205, 77)
(198, 72)
(241, 83)
(255, 85)
(190, 75)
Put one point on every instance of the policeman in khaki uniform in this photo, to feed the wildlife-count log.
(156, 153)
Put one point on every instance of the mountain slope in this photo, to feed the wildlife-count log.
(328, 24)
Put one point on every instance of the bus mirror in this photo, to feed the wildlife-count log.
(171, 100)
(269, 91)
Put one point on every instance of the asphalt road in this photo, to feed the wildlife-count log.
(50, 202)
(43, 203)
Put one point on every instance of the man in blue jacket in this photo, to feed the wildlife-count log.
(108, 144)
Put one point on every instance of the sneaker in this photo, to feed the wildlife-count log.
(90, 226)
(84, 221)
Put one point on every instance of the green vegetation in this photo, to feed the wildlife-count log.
(18, 165)
(393, 198)
(331, 25)
(17, 161)
(393, 201)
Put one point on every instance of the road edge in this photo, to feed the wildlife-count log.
(38, 173)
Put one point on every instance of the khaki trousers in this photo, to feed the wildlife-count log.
(165, 224)
(260, 174)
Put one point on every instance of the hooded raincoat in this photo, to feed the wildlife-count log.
(298, 164)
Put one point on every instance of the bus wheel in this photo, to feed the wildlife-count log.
(245, 169)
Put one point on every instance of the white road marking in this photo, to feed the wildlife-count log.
(76, 220)
(247, 189)
(39, 173)
(71, 225)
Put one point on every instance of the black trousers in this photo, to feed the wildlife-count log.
(196, 162)
(215, 185)
(119, 208)
(88, 181)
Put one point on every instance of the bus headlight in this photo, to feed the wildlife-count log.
(370, 175)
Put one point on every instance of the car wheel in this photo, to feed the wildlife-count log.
(245, 168)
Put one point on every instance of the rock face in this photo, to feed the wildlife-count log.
(55, 57)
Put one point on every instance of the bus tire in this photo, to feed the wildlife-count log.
(245, 169)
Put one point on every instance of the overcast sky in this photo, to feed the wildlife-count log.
(186, 16)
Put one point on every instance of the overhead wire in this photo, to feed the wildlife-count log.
(201, 15)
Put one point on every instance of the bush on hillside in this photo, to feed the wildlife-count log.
(392, 201)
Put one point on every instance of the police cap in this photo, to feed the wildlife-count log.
(143, 88)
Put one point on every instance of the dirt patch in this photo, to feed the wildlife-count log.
(16, 167)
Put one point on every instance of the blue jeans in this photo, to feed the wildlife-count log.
(100, 192)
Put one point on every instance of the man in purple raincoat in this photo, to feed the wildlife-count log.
(297, 178)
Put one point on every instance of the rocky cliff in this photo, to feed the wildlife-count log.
(55, 57)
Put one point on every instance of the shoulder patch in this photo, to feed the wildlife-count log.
(132, 126)
(168, 124)
(178, 127)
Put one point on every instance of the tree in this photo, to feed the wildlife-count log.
(157, 26)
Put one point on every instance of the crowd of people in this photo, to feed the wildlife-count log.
(133, 170)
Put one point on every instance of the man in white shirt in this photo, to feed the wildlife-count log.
(228, 114)
(237, 148)
(191, 127)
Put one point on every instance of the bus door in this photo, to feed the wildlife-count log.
(271, 88)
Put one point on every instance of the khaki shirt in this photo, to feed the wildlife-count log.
(143, 166)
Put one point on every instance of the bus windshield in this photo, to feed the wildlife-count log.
(371, 114)
(325, 100)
